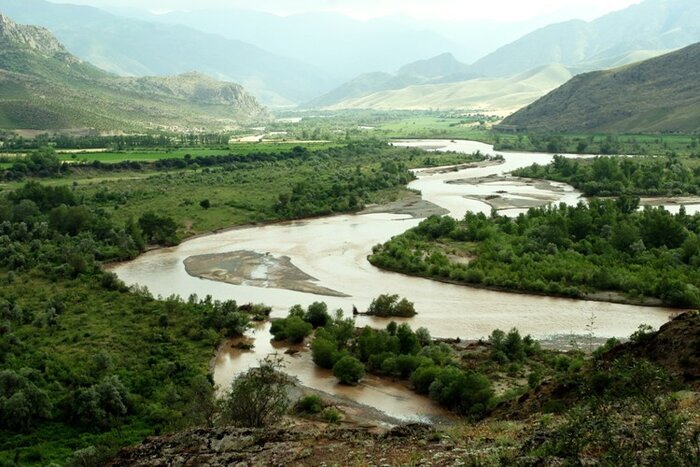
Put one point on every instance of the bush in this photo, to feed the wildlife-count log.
(312, 404)
(465, 392)
(324, 352)
(293, 329)
(257, 398)
(317, 314)
(423, 377)
(332, 415)
(349, 370)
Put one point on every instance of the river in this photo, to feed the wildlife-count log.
(334, 249)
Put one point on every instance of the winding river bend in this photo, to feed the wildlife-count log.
(334, 249)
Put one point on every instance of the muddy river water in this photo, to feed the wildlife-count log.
(333, 250)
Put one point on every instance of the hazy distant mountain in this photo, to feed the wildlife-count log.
(444, 68)
(658, 95)
(650, 28)
(496, 95)
(131, 47)
(43, 86)
(342, 46)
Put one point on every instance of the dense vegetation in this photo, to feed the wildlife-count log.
(88, 365)
(572, 251)
(598, 144)
(614, 176)
(244, 188)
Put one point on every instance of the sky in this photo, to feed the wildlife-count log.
(445, 10)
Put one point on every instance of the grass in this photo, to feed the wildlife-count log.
(423, 126)
(151, 155)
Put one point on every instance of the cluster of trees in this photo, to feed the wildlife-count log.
(345, 191)
(299, 323)
(615, 176)
(604, 245)
(598, 144)
(49, 227)
(117, 142)
(400, 352)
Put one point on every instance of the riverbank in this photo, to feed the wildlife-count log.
(599, 296)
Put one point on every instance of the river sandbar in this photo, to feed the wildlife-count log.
(246, 267)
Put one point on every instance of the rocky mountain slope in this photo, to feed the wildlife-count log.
(43, 86)
(130, 47)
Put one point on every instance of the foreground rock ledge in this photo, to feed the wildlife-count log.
(414, 444)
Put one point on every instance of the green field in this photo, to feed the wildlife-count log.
(150, 155)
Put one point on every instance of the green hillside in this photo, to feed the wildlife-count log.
(658, 95)
(42, 86)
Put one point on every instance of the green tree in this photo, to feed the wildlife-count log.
(258, 397)
(349, 370)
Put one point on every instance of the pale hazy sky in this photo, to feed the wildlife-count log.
(454, 10)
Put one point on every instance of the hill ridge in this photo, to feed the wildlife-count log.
(44, 87)
(661, 94)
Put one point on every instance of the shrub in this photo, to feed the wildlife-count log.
(349, 370)
(332, 415)
(293, 329)
(312, 404)
(258, 397)
(465, 392)
(324, 352)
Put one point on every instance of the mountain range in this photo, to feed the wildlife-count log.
(43, 86)
(131, 47)
(314, 56)
(661, 94)
(639, 32)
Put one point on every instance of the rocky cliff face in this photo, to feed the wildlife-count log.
(39, 40)
(200, 89)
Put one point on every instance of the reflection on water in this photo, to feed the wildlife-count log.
(334, 251)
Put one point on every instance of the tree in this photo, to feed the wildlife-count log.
(205, 204)
(389, 305)
(258, 397)
(292, 328)
(158, 229)
(317, 314)
(349, 370)
(324, 352)
(22, 403)
(101, 405)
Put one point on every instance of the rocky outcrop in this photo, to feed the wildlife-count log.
(307, 444)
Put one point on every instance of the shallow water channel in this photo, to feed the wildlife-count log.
(333, 250)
